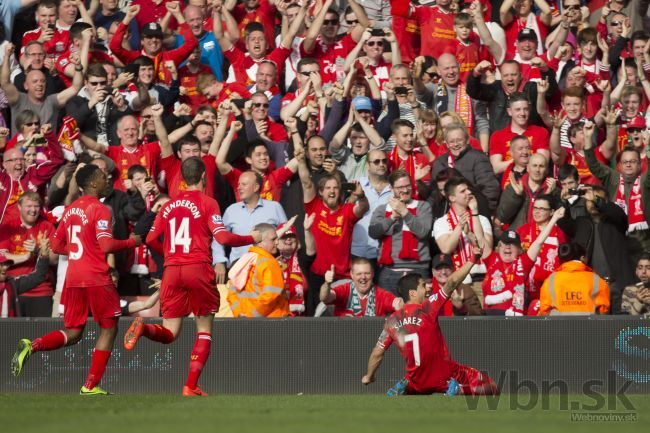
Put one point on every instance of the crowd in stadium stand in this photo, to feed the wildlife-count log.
(379, 137)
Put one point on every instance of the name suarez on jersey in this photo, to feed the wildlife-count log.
(196, 213)
(416, 321)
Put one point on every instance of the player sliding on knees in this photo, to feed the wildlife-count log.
(188, 224)
(415, 328)
(85, 236)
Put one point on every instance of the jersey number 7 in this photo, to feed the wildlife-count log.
(413, 338)
(180, 237)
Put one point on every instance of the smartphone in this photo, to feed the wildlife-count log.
(51, 27)
(377, 32)
(39, 140)
(576, 191)
(239, 103)
(148, 179)
(348, 187)
(401, 90)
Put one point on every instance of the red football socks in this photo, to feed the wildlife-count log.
(97, 367)
(158, 333)
(200, 354)
(52, 341)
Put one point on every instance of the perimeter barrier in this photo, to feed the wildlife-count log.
(329, 356)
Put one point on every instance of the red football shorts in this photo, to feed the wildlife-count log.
(103, 301)
(188, 289)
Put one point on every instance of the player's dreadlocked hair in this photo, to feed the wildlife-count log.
(192, 170)
(408, 282)
(86, 174)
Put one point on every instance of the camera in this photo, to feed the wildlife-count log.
(377, 32)
(401, 90)
(577, 191)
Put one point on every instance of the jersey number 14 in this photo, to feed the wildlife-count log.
(180, 236)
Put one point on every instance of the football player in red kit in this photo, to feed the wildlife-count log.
(415, 328)
(188, 223)
(85, 236)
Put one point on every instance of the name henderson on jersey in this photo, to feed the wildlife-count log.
(182, 203)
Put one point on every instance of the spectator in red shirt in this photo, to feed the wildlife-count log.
(256, 11)
(82, 38)
(516, 15)
(152, 46)
(54, 40)
(22, 239)
(131, 151)
(333, 225)
(188, 75)
(322, 44)
(519, 113)
(436, 24)
(520, 156)
(359, 297)
(243, 65)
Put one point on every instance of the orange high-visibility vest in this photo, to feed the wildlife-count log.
(574, 289)
(264, 294)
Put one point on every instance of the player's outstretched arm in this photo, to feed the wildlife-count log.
(459, 275)
(376, 357)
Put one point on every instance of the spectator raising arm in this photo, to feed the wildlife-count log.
(314, 29)
(222, 164)
(11, 92)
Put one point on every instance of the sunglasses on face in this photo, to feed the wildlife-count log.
(330, 22)
(32, 124)
(260, 105)
(616, 23)
(351, 22)
(97, 83)
(373, 43)
(383, 161)
(306, 74)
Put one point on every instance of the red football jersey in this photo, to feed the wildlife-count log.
(436, 29)
(327, 55)
(417, 333)
(332, 232)
(500, 140)
(13, 234)
(175, 183)
(146, 155)
(83, 223)
(271, 187)
(188, 222)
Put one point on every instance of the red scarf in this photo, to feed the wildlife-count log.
(532, 196)
(547, 259)
(464, 251)
(408, 165)
(294, 283)
(463, 106)
(409, 249)
(634, 208)
(501, 278)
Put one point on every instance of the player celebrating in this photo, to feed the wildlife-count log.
(429, 367)
(85, 236)
(188, 224)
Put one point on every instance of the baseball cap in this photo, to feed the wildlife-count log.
(152, 29)
(440, 260)
(510, 237)
(637, 122)
(527, 34)
(5, 259)
(290, 232)
(362, 103)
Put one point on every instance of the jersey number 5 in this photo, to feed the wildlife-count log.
(73, 231)
(413, 338)
(180, 237)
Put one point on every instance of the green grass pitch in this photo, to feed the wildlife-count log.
(302, 413)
